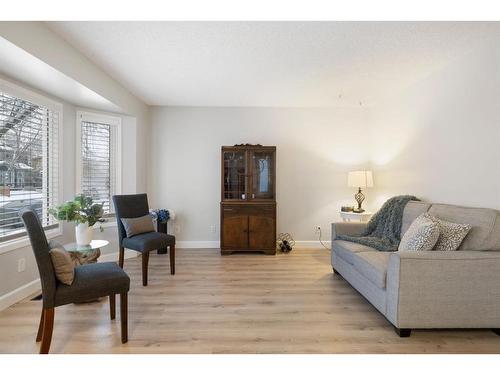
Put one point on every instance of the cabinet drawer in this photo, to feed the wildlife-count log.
(239, 209)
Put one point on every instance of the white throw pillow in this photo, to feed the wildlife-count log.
(422, 235)
(451, 234)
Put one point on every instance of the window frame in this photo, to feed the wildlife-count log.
(112, 120)
(31, 96)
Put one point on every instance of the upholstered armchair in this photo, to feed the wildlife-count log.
(91, 281)
(134, 206)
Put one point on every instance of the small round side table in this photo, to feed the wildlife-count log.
(360, 216)
(84, 254)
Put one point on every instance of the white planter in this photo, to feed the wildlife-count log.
(83, 234)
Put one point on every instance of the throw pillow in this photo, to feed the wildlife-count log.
(138, 225)
(63, 265)
(451, 234)
(422, 235)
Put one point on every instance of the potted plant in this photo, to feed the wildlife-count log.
(84, 212)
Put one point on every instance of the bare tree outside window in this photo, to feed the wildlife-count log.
(25, 155)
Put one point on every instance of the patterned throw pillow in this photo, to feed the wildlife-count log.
(422, 235)
(451, 234)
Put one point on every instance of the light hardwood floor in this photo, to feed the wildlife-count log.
(290, 303)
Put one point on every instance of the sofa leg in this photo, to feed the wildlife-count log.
(496, 331)
(402, 332)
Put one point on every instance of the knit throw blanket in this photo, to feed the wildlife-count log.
(384, 228)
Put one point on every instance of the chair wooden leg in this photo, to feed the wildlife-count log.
(124, 316)
(172, 260)
(40, 326)
(145, 261)
(121, 256)
(112, 306)
(48, 326)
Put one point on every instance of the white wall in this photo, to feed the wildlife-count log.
(440, 139)
(315, 149)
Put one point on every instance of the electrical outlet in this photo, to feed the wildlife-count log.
(213, 228)
(21, 265)
(317, 229)
(177, 228)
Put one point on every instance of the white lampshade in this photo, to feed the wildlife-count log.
(360, 179)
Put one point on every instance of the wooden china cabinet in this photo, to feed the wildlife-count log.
(248, 199)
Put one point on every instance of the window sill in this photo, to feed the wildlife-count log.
(107, 224)
(19, 243)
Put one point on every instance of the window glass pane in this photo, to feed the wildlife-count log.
(263, 175)
(235, 180)
(98, 165)
(28, 163)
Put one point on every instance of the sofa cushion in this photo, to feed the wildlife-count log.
(482, 221)
(413, 209)
(373, 266)
(347, 250)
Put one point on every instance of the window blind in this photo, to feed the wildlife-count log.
(28, 163)
(98, 144)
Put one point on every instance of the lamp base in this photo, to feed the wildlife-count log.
(360, 197)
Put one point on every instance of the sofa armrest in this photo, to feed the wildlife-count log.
(444, 289)
(347, 228)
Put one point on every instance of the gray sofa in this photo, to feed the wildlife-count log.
(429, 289)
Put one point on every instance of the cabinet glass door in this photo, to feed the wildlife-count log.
(262, 175)
(235, 179)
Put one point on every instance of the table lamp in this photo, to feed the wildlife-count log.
(360, 179)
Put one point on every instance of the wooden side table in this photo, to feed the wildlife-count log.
(352, 216)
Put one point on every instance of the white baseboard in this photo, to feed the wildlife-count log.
(197, 244)
(19, 294)
(26, 290)
(312, 244)
(216, 244)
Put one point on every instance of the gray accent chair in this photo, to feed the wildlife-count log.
(136, 205)
(91, 281)
(429, 289)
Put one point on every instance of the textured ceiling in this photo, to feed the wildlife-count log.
(291, 64)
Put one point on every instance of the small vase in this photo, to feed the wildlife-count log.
(83, 234)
